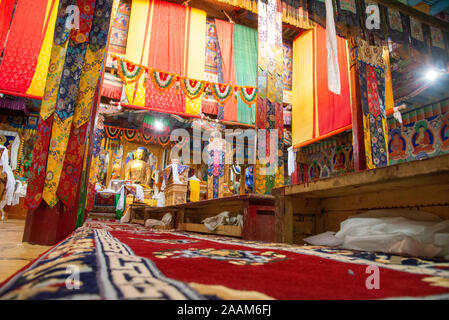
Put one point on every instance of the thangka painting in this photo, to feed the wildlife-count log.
(423, 134)
(119, 28)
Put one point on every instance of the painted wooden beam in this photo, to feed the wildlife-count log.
(410, 11)
(414, 2)
(439, 7)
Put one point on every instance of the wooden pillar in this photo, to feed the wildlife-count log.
(358, 137)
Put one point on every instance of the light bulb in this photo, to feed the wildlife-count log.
(159, 126)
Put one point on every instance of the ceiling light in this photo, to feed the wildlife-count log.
(432, 75)
(158, 125)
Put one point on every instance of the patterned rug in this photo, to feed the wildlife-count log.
(111, 260)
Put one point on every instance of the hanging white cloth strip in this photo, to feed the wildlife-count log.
(333, 71)
(291, 160)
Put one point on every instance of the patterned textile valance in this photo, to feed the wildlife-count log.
(18, 104)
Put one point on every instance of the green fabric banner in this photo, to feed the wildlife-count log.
(245, 58)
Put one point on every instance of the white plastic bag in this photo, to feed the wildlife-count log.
(404, 232)
(393, 235)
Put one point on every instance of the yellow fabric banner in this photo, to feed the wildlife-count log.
(56, 65)
(56, 154)
(88, 83)
(194, 190)
(37, 85)
(196, 55)
(302, 82)
(135, 50)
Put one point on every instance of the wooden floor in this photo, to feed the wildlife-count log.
(14, 254)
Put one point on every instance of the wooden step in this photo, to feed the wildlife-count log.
(101, 215)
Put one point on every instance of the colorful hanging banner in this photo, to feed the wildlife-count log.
(270, 96)
(372, 67)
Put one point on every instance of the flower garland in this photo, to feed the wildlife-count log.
(193, 88)
(248, 95)
(163, 141)
(162, 80)
(222, 92)
(114, 133)
(129, 134)
(130, 72)
(147, 138)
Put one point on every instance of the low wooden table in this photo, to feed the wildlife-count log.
(257, 211)
(319, 206)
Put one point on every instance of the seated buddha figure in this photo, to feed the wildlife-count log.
(137, 170)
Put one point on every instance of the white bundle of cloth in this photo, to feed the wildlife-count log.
(406, 232)
(221, 219)
(165, 221)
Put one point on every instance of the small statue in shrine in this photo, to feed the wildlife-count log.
(138, 170)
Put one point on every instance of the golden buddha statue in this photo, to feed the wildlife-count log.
(137, 170)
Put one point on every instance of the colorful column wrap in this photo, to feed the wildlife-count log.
(66, 99)
(40, 151)
(270, 88)
(245, 58)
(23, 45)
(372, 68)
(73, 164)
(71, 81)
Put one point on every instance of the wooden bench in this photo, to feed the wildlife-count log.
(257, 210)
(304, 210)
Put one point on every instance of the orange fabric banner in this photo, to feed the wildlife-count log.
(224, 34)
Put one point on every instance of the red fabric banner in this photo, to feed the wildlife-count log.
(6, 8)
(23, 45)
(224, 34)
(334, 111)
(167, 53)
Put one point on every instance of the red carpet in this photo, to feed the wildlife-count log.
(120, 261)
